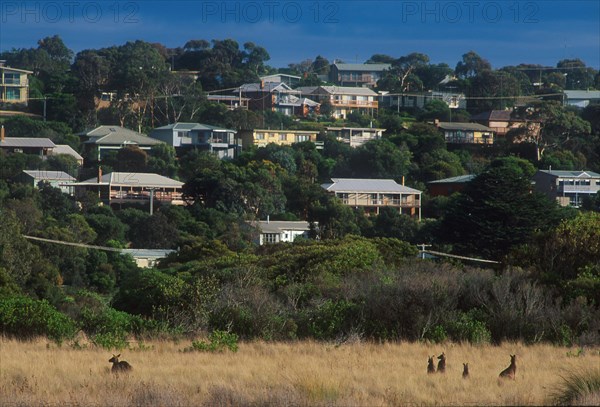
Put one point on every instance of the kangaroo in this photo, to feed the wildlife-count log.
(430, 365)
(119, 367)
(441, 367)
(465, 370)
(511, 370)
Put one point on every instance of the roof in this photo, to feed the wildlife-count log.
(277, 226)
(582, 94)
(500, 115)
(191, 126)
(363, 67)
(134, 179)
(102, 131)
(147, 253)
(344, 90)
(66, 149)
(282, 75)
(454, 180)
(463, 126)
(27, 142)
(571, 174)
(49, 175)
(7, 68)
(368, 185)
(286, 131)
(376, 129)
(120, 137)
(266, 87)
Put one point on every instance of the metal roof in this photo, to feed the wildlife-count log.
(121, 138)
(49, 175)
(582, 94)
(344, 90)
(368, 186)
(27, 142)
(66, 149)
(102, 131)
(463, 126)
(363, 67)
(134, 179)
(571, 174)
(266, 87)
(192, 126)
(454, 180)
(277, 226)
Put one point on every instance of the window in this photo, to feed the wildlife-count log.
(302, 137)
(270, 237)
(12, 78)
(282, 137)
(13, 94)
(182, 134)
(260, 136)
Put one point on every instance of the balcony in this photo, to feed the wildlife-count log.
(355, 103)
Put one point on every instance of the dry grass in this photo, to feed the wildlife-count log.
(300, 374)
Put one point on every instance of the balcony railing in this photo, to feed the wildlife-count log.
(355, 103)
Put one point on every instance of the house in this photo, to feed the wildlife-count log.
(374, 194)
(232, 102)
(355, 136)
(42, 147)
(277, 97)
(147, 258)
(14, 84)
(362, 75)
(103, 139)
(132, 187)
(57, 179)
(568, 188)
(466, 133)
(186, 136)
(68, 150)
(276, 231)
(420, 99)
(343, 100)
(581, 98)
(448, 186)
(502, 121)
(262, 137)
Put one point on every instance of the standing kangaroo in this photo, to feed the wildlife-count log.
(430, 365)
(441, 367)
(465, 370)
(119, 367)
(511, 370)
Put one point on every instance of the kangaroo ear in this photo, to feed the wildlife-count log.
(119, 355)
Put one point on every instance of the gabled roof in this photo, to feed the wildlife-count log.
(121, 138)
(363, 67)
(49, 175)
(104, 130)
(66, 149)
(7, 68)
(266, 87)
(134, 179)
(571, 174)
(343, 90)
(454, 180)
(191, 126)
(463, 126)
(387, 186)
(27, 142)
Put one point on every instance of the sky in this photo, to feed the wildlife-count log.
(503, 32)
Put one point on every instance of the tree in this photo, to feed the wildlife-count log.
(471, 65)
(380, 159)
(497, 211)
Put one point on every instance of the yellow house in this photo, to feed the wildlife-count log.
(14, 84)
(261, 137)
(466, 133)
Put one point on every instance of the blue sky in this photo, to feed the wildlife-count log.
(504, 32)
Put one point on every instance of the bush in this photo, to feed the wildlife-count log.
(468, 328)
(578, 389)
(26, 318)
(218, 341)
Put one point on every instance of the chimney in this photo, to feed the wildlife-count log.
(99, 174)
(436, 122)
(267, 218)
(403, 180)
(2, 134)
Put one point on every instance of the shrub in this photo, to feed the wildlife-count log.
(580, 388)
(218, 341)
(468, 328)
(26, 318)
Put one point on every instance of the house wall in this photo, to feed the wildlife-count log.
(372, 202)
(261, 138)
(14, 86)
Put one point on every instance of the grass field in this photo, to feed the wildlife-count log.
(299, 374)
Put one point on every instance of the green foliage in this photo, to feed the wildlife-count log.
(109, 328)
(26, 318)
(578, 388)
(468, 328)
(330, 319)
(218, 341)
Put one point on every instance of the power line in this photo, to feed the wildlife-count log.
(83, 245)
